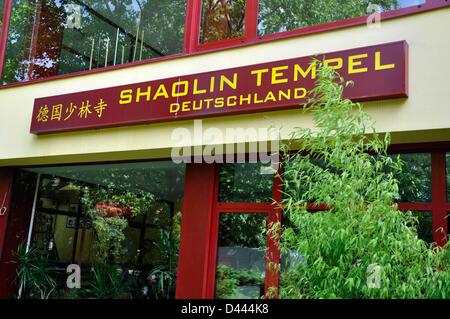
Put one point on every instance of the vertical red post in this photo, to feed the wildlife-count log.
(251, 19)
(192, 25)
(195, 231)
(4, 33)
(439, 197)
(16, 231)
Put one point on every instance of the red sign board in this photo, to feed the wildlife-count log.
(378, 72)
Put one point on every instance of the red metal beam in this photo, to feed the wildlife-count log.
(192, 25)
(195, 231)
(251, 19)
(415, 206)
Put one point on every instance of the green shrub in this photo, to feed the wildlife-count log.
(341, 166)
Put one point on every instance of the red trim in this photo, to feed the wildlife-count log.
(439, 197)
(4, 34)
(428, 6)
(415, 206)
(194, 28)
(419, 147)
(244, 207)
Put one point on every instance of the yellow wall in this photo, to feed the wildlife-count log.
(425, 116)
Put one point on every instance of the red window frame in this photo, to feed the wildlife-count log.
(439, 205)
(192, 30)
(274, 215)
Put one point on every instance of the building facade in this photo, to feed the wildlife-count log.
(103, 99)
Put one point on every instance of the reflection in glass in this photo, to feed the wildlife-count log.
(424, 225)
(278, 16)
(245, 182)
(60, 37)
(2, 5)
(222, 19)
(415, 179)
(118, 218)
(241, 258)
(448, 176)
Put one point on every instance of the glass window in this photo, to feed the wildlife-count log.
(123, 216)
(241, 258)
(60, 37)
(2, 6)
(415, 179)
(284, 15)
(245, 182)
(448, 176)
(424, 225)
(222, 19)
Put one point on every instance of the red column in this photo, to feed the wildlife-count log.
(14, 226)
(195, 231)
(192, 25)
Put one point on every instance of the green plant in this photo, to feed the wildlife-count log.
(33, 274)
(110, 230)
(228, 280)
(342, 164)
(110, 238)
(162, 278)
(108, 282)
(162, 281)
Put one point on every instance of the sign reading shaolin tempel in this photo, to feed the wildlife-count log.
(378, 72)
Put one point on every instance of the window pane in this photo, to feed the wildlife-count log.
(245, 182)
(284, 15)
(241, 258)
(424, 225)
(222, 19)
(61, 37)
(448, 177)
(124, 216)
(2, 5)
(415, 179)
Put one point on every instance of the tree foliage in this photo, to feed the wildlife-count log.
(329, 254)
(283, 15)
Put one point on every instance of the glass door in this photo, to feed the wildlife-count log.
(244, 249)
